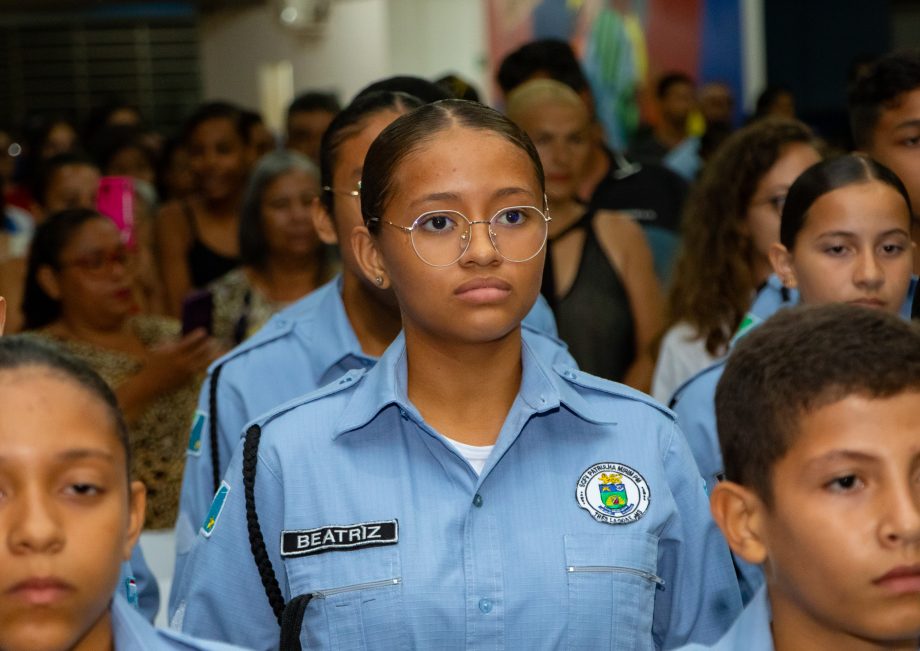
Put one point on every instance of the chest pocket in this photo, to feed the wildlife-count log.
(356, 599)
(611, 583)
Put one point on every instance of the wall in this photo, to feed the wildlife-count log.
(363, 40)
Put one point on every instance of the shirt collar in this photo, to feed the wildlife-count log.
(129, 629)
(339, 340)
(542, 389)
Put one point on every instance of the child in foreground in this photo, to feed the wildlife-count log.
(69, 512)
(819, 423)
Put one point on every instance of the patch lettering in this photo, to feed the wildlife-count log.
(338, 538)
(613, 493)
(194, 439)
(217, 505)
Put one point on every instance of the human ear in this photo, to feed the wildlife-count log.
(137, 503)
(48, 281)
(367, 255)
(781, 261)
(322, 222)
(739, 514)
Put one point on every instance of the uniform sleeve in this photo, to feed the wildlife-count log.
(220, 595)
(700, 598)
(197, 485)
(198, 475)
(696, 413)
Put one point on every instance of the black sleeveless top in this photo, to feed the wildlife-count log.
(204, 264)
(594, 317)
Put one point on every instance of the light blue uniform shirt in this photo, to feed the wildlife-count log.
(302, 348)
(138, 585)
(518, 557)
(695, 405)
(131, 632)
(750, 632)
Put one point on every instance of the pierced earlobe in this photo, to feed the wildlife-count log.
(379, 281)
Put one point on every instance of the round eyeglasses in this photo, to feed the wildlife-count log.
(441, 237)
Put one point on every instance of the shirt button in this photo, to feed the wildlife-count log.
(477, 501)
(485, 605)
(405, 416)
(280, 323)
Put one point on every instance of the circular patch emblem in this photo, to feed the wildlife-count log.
(613, 493)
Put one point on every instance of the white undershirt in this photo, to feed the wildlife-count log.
(476, 455)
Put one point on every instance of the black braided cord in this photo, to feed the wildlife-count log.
(292, 621)
(212, 423)
(256, 541)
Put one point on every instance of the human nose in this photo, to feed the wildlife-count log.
(868, 273)
(34, 524)
(901, 525)
(480, 249)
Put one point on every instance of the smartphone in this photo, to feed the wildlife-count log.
(198, 311)
(115, 200)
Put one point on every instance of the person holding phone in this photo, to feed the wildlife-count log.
(79, 294)
(465, 492)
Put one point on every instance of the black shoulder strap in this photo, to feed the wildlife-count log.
(256, 541)
(212, 424)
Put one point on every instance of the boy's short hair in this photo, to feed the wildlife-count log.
(802, 359)
(881, 85)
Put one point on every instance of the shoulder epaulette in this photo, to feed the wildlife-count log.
(351, 379)
(712, 368)
(588, 381)
(276, 328)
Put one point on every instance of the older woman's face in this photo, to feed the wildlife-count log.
(288, 203)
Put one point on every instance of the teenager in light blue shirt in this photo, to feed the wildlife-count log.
(465, 492)
(819, 425)
(844, 238)
(69, 513)
(344, 325)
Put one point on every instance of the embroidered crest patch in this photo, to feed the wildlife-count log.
(339, 538)
(194, 439)
(217, 505)
(613, 493)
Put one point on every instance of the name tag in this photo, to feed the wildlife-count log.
(339, 538)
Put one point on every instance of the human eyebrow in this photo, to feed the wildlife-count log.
(908, 124)
(511, 191)
(840, 456)
(894, 231)
(435, 197)
(80, 454)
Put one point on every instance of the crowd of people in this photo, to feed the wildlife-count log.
(321, 369)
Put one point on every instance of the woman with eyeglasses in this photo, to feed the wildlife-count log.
(466, 492)
(282, 256)
(730, 221)
(78, 294)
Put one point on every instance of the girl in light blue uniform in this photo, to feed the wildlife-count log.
(69, 513)
(465, 492)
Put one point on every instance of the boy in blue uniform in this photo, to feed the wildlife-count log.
(465, 492)
(69, 513)
(819, 423)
